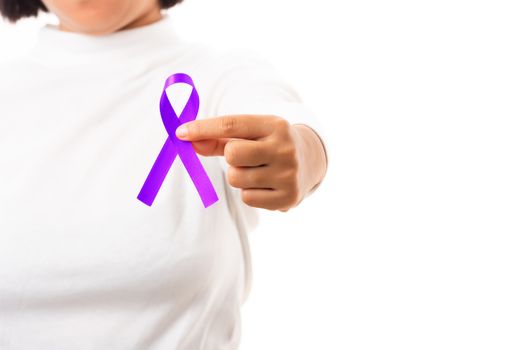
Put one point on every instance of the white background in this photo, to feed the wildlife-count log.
(414, 240)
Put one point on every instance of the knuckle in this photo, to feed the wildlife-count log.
(290, 177)
(281, 124)
(227, 124)
(284, 151)
(293, 161)
(293, 194)
(289, 154)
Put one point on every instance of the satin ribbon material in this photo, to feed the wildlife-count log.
(174, 146)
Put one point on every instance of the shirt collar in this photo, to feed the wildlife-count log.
(54, 46)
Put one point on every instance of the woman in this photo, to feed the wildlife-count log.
(83, 263)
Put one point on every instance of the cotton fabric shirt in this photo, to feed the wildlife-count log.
(83, 263)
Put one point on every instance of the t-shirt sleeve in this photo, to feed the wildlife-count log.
(253, 86)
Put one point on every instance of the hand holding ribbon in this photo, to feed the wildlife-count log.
(275, 164)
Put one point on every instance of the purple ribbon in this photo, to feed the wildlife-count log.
(174, 146)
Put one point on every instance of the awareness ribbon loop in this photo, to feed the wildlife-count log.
(174, 146)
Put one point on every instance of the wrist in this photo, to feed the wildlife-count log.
(313, 157)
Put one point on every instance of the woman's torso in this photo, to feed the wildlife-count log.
(83, 263)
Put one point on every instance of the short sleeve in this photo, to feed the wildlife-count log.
(253, 86)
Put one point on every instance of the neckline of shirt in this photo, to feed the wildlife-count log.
(54, 46)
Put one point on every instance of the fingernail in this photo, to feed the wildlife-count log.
(181, 131)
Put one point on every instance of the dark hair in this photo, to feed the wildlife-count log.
(13, 10)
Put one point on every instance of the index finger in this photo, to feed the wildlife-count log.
(232, 126)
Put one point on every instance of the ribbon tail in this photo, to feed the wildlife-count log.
(197, 173)
(158, 173)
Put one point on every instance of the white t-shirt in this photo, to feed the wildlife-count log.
(83, 263)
